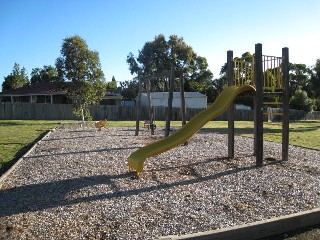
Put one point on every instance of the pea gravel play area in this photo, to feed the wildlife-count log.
(75, 184)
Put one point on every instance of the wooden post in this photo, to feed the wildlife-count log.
(285, 117)
(183, 102)
(230, 110)
(258, 111)
(138, 108)
(170, 98)
(150, 109)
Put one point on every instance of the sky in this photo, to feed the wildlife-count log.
(32, 31)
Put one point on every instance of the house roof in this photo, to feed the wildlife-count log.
(48, 89)
(165, 95)
(36, 89)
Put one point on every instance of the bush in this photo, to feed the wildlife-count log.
(300, 101)
(317, 105)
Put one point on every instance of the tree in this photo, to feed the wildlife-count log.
(81, 66)
(299, 77)
(48, 74)
(18, 78)
(159, 55)
(129, 90)
(315, 79)
(112, 86)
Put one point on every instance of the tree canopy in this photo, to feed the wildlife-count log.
(18, 78)
(81, 66)
(112, 86)
(160, 55)
(47, 74)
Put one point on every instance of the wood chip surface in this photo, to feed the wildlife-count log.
(75, 184)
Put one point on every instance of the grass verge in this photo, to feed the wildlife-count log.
(17, 137)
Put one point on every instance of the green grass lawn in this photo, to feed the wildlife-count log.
(302, 133)
(17, 136)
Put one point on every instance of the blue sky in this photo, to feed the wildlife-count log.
(32, 31)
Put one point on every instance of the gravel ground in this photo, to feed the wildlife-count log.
(75, 184)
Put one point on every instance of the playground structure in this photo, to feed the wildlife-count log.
(264, 75)
(170, 76)
(270, 77)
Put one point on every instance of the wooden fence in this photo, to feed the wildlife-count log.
(41, 111)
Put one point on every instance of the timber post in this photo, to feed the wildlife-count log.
(230, 110)
(170, 98)
(138, 108)
(285, 92)
(258, 111)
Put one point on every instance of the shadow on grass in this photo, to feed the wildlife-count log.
(37, 197)
(225, 130)
(8, 123)
(266, 130)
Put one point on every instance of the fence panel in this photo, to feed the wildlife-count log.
(41, 111)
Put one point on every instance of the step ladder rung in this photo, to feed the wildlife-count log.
(275, 114)
(272, 93)
(273, 103)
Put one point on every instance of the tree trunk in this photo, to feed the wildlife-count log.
(82, 116)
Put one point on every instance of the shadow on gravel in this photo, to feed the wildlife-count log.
(58, 139)
(35, 197)
(80, 152)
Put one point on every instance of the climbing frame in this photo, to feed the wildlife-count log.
(270, 76)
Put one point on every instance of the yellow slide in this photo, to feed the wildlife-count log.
(137, 158)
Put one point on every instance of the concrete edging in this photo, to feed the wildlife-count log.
(14, 166)
(256, 230)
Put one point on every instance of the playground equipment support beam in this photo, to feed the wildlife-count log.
(170, 97)
(285, 117)
(258, 112)
(138, 108)
(183, 103)
(150, 108)
(230, 110)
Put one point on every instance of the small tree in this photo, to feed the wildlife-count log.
(300, 101)
(112, 86)
(317, 104)
(18, 78)
(129, 89)
(315, 79)
(81, 66)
